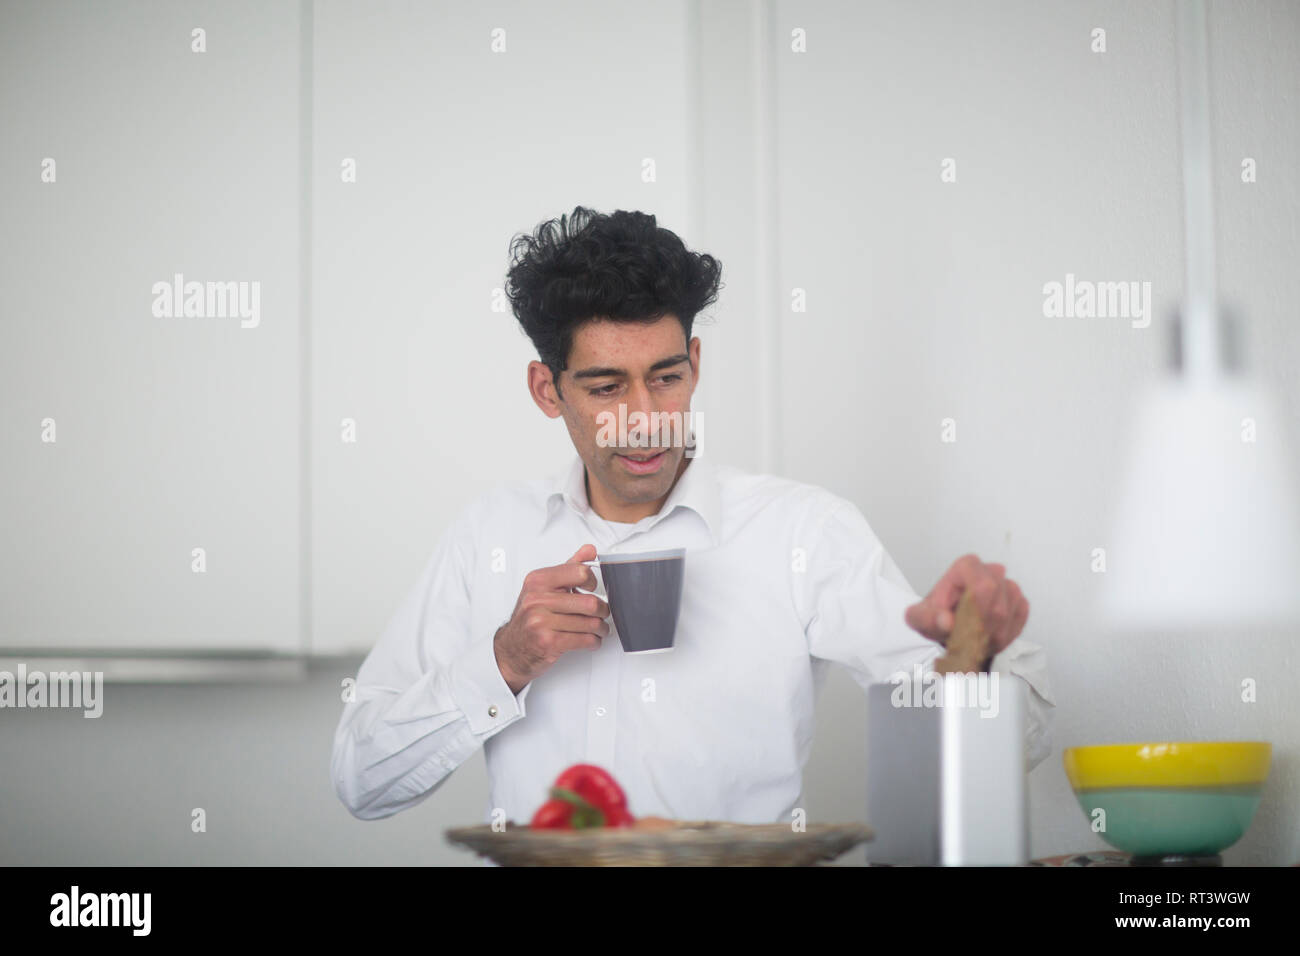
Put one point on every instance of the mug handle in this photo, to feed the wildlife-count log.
(593, 564)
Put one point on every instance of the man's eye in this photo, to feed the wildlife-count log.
(606, 389)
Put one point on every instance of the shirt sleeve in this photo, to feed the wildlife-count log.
(428, 695)
(853, 603)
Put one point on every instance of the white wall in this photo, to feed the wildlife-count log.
(924, 302)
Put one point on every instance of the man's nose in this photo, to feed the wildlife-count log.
(640, 398)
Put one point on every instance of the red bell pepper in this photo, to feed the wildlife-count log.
(553, 815)
(620, 818)
(584, 796)
(595, 786)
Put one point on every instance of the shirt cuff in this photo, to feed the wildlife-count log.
(481, 692)
(1028, 661)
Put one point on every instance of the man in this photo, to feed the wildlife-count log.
(501, 646)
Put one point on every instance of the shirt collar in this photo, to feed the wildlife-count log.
(697, 490)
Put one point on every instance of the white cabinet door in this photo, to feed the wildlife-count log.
(462, 129)
(140, 434)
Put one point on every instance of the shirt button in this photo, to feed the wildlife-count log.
(600, 711)
(492, 711)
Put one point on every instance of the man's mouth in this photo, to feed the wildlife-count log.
(642, 464)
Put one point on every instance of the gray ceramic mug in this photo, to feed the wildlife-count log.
(644, 593)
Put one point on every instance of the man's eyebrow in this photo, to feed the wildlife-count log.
(602, 372)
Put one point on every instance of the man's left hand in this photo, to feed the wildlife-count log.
(1001, 606)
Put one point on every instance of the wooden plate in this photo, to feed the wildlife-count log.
(689, 843)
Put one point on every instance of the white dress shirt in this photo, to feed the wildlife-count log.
(782, 580)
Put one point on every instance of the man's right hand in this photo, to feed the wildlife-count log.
(550, 619)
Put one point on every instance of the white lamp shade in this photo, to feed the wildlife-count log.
(1206, 535)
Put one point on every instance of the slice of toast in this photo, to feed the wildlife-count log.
(970, 646)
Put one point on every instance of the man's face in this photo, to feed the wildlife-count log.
(646, 368)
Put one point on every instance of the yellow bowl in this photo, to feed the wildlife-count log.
(1168, 764)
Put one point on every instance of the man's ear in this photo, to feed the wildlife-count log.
(543, 389)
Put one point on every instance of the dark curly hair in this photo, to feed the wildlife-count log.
(589, 265)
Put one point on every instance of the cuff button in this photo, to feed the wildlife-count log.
(492, 711)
